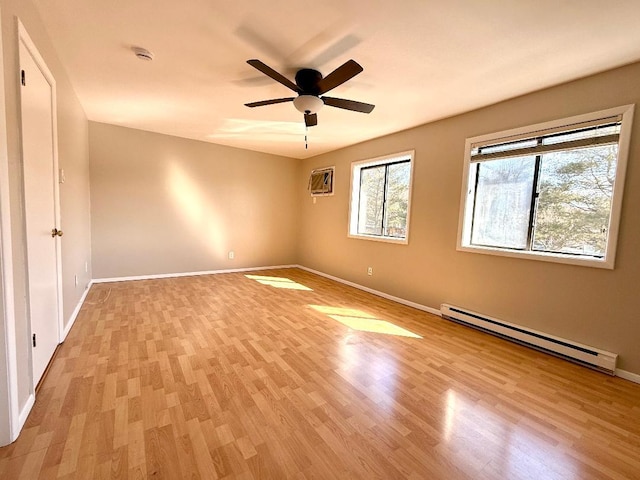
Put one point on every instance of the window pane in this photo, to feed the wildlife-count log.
(371, 200)
(574, 202)
(580, 134)
(503, 202)
(397, 200)
(505, 147)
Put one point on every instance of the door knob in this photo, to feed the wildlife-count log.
(55, 232)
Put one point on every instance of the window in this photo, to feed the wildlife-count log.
(551, 191)
(380, 198)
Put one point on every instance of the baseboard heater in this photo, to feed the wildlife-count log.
(576, 352)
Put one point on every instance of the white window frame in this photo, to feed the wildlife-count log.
(356, 167)
(466, 203)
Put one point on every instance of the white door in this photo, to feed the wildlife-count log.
(40, 192)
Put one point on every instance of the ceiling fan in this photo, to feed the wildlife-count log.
(311, 86)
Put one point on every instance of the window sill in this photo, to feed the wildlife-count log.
(541, 256)
(399, 241)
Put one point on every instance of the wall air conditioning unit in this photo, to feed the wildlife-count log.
(560, 347)
(321, 181)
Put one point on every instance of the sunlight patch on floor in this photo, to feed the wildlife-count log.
(279, 282)
(363, 322)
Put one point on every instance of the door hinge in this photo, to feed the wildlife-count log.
(23, 78)
(34, 339)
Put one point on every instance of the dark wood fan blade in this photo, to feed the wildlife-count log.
(348, 104)
(311, 120)
(340, 75)
(269, 102)
(270, 72)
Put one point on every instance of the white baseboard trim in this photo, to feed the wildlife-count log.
(74, 315)
(188, 274)
(424, 308)
(632, 377)
(26, 410)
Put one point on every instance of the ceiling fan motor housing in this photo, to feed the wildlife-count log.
(307, 79)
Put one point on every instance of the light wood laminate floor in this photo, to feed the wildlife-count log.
(248, 377)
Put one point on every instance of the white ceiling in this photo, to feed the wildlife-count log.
(423, 60)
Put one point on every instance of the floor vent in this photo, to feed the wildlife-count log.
(576, 352)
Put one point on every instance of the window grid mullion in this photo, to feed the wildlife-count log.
(535, 192)
(475, 201)
(359, 203)
(384, 200)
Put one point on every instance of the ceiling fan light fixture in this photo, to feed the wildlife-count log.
(309, 104)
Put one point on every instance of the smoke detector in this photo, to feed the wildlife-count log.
(142, 53)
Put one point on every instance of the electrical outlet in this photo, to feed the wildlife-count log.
(370, 271)
(232, 255)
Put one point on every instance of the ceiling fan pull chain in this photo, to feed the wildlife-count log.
(306, 143)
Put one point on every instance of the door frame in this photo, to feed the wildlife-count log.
(25, 39)
(10, 425)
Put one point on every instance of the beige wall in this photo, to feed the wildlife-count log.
(593, 306)
(162, 204)
(74, 194)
